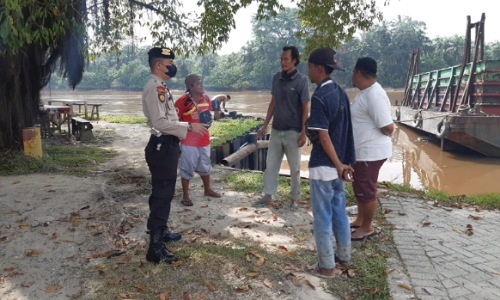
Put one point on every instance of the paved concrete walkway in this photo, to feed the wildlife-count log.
(446, 253)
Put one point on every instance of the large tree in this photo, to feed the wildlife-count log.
(38, 37)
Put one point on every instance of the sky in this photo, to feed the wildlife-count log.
(444, 18)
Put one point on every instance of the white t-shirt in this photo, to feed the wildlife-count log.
(370, 111)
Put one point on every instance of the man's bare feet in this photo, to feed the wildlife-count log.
(187, 202)
(213, 193)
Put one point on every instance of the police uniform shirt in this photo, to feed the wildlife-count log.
(158, 107)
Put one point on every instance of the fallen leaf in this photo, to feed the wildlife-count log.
(402, 213)
(75, 214)
(53, 288)
(337, 272)
(164, 295)
(309, 284)
(243, 208)
(54, 236)
(456, 230)
(16, 181)
(22, 225)
(202, 295)
(176, 263)
(374, 291)
(282, 248)
(260, 262)
(388, 271)
(34, 252)
(270, 234)
(296, 280)
(10, 269)
(426, 223)
(351, 273)
(141, 287)
(185, 296)
(26, 284)
(448, 208)
(113, 281)
(386, 211)
(2, 278)
(267, 283)
(347, 297)
(208, 285)
(253, 274)
(242, 289)
(275, 217)
(468, 226)
(405, 286)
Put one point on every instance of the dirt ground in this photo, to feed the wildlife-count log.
(52, 227)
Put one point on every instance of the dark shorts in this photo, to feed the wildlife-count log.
(215, 105)
(365, 180)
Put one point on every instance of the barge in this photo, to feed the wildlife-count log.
(460, 105)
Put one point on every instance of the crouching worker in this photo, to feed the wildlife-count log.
(219, 105)
(162, 151)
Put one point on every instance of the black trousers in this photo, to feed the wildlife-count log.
(162, 155)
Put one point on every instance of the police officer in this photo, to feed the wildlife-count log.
(162, 151)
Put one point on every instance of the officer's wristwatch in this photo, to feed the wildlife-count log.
(190, 127)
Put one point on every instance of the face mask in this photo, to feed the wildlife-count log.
(172, 70)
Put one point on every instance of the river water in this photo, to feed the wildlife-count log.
(415, 162)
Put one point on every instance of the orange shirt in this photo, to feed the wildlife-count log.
(187, 112)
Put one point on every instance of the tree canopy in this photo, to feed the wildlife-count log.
(35, 35)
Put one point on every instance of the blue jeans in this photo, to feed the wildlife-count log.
(330, 220)
(283, 142)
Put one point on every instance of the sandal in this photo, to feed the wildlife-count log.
(315, 270)
(362, 236)
(187, 202)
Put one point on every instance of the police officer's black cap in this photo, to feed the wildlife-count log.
(161, 52)
(324, 57)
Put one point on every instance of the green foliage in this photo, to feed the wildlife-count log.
(331, 22)
(71, 160)
(228, 129)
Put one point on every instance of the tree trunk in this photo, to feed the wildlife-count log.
(20, 86)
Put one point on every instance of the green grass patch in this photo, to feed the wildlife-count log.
(254, 182)
(485, 201)
(125, 119)
(73, 160)
(228, 129)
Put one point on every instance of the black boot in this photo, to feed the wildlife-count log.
(157, 251)
(171, 236)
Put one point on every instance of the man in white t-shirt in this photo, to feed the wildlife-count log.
(372, 130)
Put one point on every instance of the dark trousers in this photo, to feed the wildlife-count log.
(162, 156)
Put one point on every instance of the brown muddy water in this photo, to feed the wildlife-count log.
(416, 161)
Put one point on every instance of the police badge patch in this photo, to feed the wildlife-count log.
(161, 93)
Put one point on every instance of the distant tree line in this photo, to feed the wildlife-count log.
(389, 42)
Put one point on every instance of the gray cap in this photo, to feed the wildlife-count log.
(324, 57)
